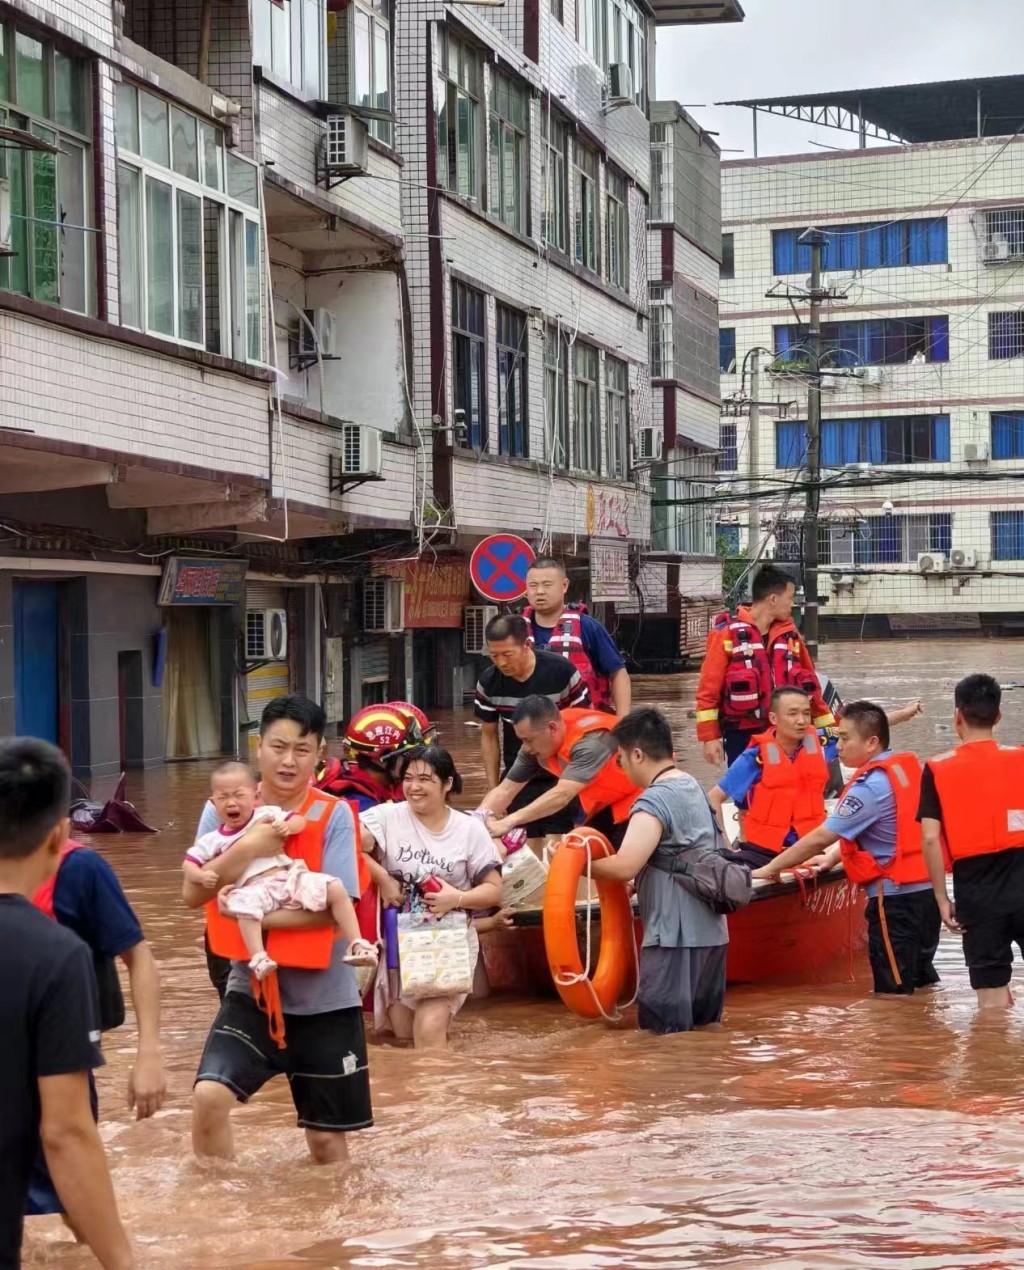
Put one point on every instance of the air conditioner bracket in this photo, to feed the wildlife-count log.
(340, 481)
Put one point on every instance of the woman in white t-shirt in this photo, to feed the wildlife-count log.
(410, 842)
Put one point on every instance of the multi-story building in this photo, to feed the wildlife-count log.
(682, 578)
(300, 299)
(922, 435)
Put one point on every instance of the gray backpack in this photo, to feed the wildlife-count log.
(724, 885)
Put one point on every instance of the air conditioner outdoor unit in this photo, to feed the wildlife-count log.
(382, 605)
(620, 82)
(931, 562)
(346, 148)
(647, 445)
(474, 623)
(266, 634)
(976, 452)
(963, 559)
(871, 376)
(362, 450)
(316, 334)
(843, 580)
(5, 216)
(997, 248)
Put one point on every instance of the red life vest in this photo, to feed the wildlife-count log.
(981, 789)
(611, 787)
(567, 641)
(43, 898)
(907, 865)
(753, 672)
(790, 793)
(342, 779)
(306, 949)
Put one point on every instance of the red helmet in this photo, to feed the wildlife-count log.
(381, 733)
(428, 730)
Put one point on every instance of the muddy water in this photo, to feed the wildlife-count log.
(817, 1128)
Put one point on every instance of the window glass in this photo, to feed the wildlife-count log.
(69, 92)
(184, 148)
(512, 351)
(160, 256)
(154, 135)
(30, 74)
(190, 267)
(128, 118)
(129, 228)
(242, 180)
(253, 305)
(213, 157)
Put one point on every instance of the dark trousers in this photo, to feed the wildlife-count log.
(736, 740)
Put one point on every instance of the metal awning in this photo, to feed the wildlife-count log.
(947, 110)
(691, 12)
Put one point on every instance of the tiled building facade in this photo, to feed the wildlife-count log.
(222, 347)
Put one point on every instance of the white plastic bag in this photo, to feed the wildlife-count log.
(434, 955)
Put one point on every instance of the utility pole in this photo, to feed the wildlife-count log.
(753, 507)
(817, 239)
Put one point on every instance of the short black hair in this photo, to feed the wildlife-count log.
(535, 709)
(978, 698)
(549, 562)
(645, 729)
(35, 791)
(229, 765)
(869, 720)
(769, 580)
(508, 626)
(786, 691)
(438, 758)
(307, 714)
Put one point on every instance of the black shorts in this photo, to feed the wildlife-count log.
(558, 823)
(988, 948)
(902, 949)
(325, 1062)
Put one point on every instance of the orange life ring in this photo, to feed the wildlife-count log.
(597, 996)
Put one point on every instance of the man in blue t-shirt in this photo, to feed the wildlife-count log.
(88, 899)
(574, 634)
(903, 916)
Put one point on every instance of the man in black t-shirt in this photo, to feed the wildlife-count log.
(48, 1018)
(518, 672)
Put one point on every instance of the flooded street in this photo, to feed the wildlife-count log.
(817, 1128)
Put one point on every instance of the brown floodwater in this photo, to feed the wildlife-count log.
(817, 1128)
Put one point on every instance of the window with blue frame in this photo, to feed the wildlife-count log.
(895, 440)
(866, 246)
(881, 342)
(1006, 335)
(727, 540)
(728, 460)
(1007, 535)
(1007, 434)
(901, 539)
(727, 349)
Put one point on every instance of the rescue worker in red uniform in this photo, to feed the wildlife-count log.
(748, 655)
(879, 844)
(376, 738)
(578, 747)
(972, 814)
(567, 629)
(778, 782)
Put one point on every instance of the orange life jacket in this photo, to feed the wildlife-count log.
(611, 787)
(790, 793)
(981, 789)
(907, 865)
(43, 898)
(307, 949)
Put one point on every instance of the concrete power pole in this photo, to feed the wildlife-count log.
(817, 239)
(753, 507)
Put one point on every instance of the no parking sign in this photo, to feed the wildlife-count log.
(498, 567)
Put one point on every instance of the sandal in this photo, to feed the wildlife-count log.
(262, 965)
(360, 952)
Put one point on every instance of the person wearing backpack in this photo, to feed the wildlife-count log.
(682, 956)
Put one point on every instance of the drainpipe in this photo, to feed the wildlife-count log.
(205, 25)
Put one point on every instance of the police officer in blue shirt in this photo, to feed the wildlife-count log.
(880, 847)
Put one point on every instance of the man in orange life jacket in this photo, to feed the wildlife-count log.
(879, 843)
(972, 812)
(325, 1056)
(748, 656)
(573, 634)
(578, 747)
(778, 782)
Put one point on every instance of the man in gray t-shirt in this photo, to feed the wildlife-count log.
(682, 957)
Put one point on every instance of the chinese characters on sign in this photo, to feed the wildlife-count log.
(201, 581)
(435, 591)
(609, 571)
(607, 513)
